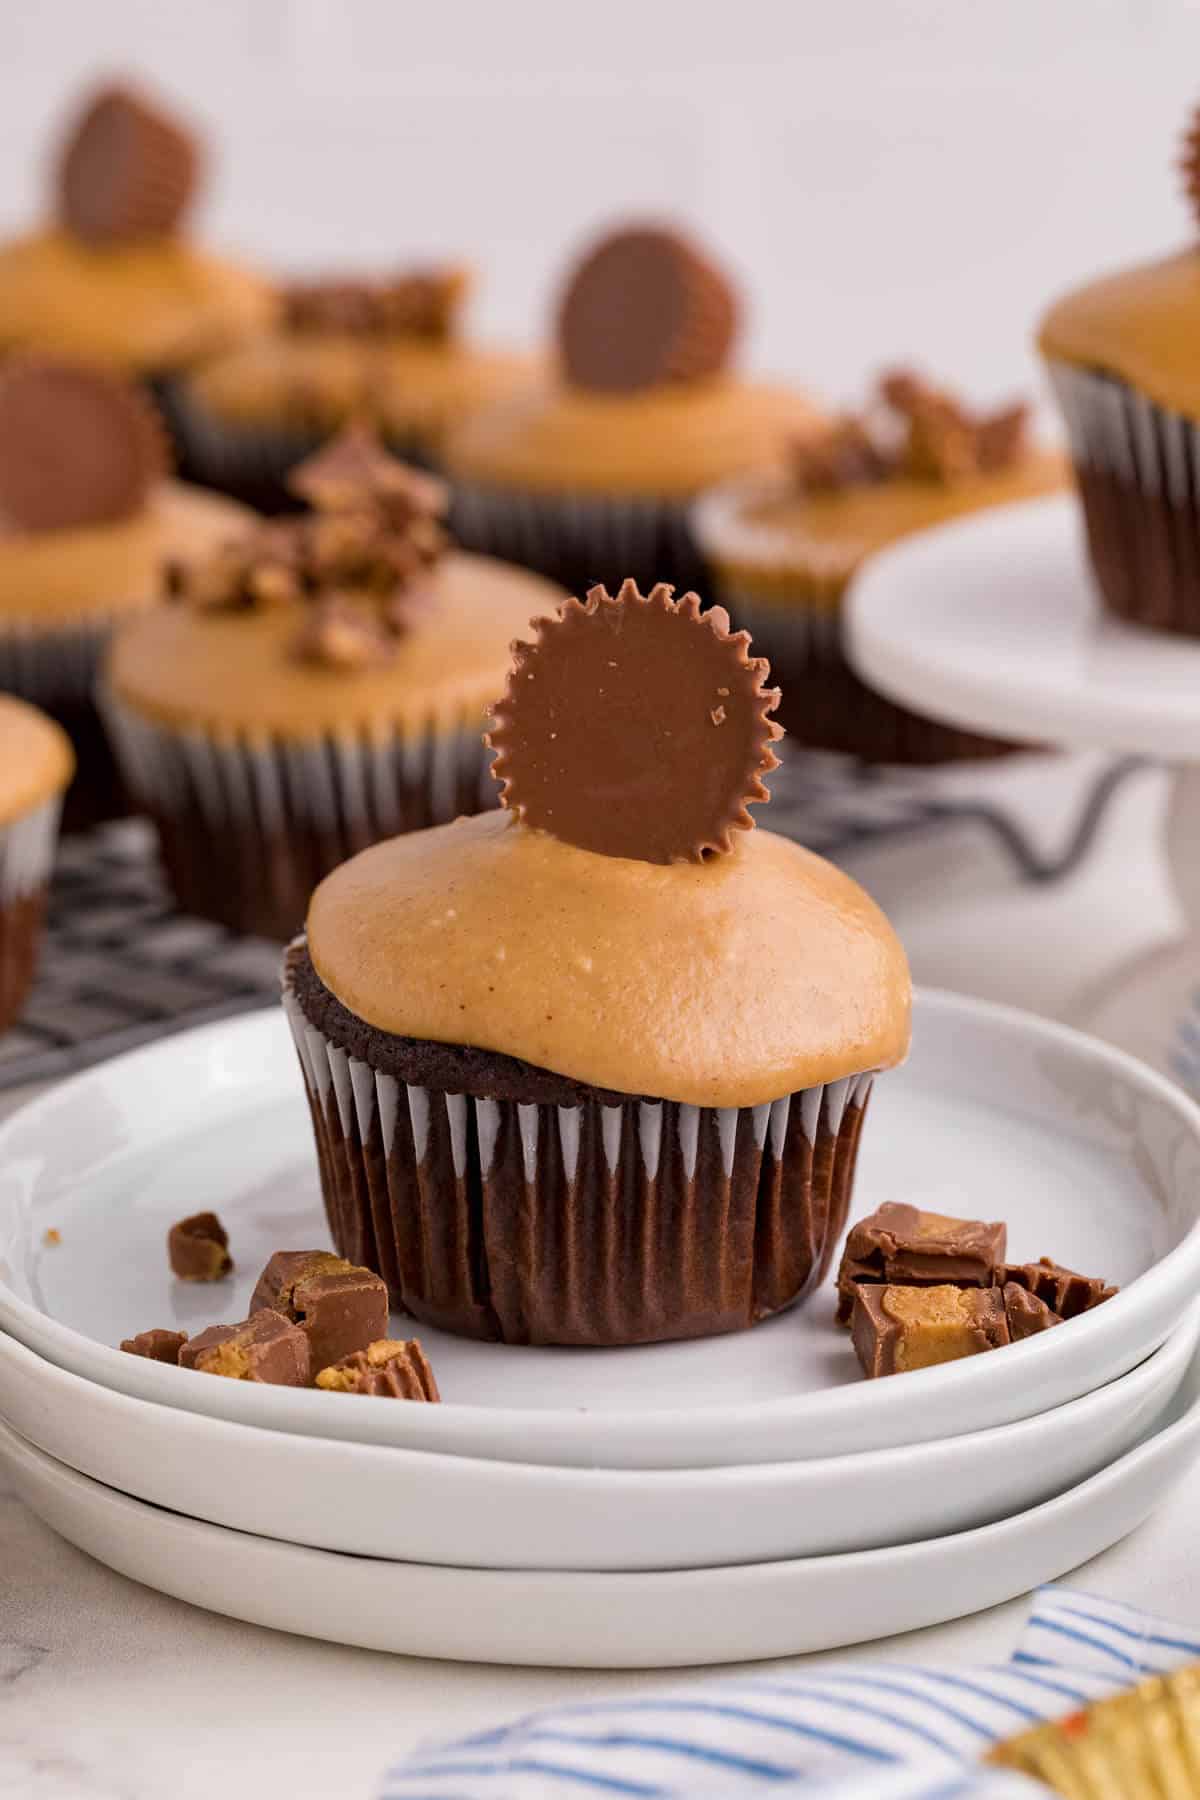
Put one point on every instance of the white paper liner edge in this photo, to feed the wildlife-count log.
(50, 664)
(528, 527)
(27, 847)
(326, 1066)
(333, 781)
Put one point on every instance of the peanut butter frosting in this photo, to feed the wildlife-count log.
(36, 759)
(762, 531)
(667, 442)
(317, 380)
(1139, 325)
(50, 578)
(148, 305)
(235, 674)
(728, 983)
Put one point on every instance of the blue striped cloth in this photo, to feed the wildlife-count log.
(887, 1731)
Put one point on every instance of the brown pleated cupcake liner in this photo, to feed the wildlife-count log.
(27, 848)
(1138, 469)
(55, 668)
(250, 463)
(825, 705)
(590, 1224)
(580, 539)
(248, 828)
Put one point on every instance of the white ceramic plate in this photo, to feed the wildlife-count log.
(993, 624)
(1091, 1157)
(608, 1620)
(414, 1505)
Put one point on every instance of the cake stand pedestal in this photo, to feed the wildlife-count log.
(994, 624)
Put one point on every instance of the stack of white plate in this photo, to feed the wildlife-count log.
(738, 1497)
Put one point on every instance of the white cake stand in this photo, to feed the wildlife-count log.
(993, 624)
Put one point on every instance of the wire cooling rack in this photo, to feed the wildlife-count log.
(120, 965)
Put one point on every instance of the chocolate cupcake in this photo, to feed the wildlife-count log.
(593, 1070)
(388, 349)
(588, 474)
(1121, 356)
(87, 518)
(319, 683)
(784, 547)
(112, 281)
(35, 767)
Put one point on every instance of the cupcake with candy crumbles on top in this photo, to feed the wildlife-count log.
(88, 517)
(388, 349)
(112, 281)
(35, 767)
(784, 548)
(1121, 352)
(587, 474)
(319, 682)
(593, 1069)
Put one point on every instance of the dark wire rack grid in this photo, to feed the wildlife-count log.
(121, 966)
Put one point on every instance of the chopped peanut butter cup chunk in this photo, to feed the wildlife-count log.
(1062, 1290)
(895, 1329)
(1026, 1314)
(393, 1368)
(157, 1345)
(416, 303)
(900, 1243)
(339, 1308)
(198, 1248)
(266, 1347)
(636, 726)
(911, 432)
(353, 571)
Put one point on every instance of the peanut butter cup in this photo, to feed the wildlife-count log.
(593, 1069)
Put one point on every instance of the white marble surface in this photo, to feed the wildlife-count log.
(111, 1692)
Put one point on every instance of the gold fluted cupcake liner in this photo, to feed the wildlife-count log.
(1141, 1745)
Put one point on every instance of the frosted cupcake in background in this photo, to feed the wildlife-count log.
(593, 1070)
(388, 349)
(111, 280)
(784, 548)
(88, 515)
(1122, 356)
(319, 682)
(587, 475)
(36, 763)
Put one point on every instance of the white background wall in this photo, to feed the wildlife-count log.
(891, 179)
